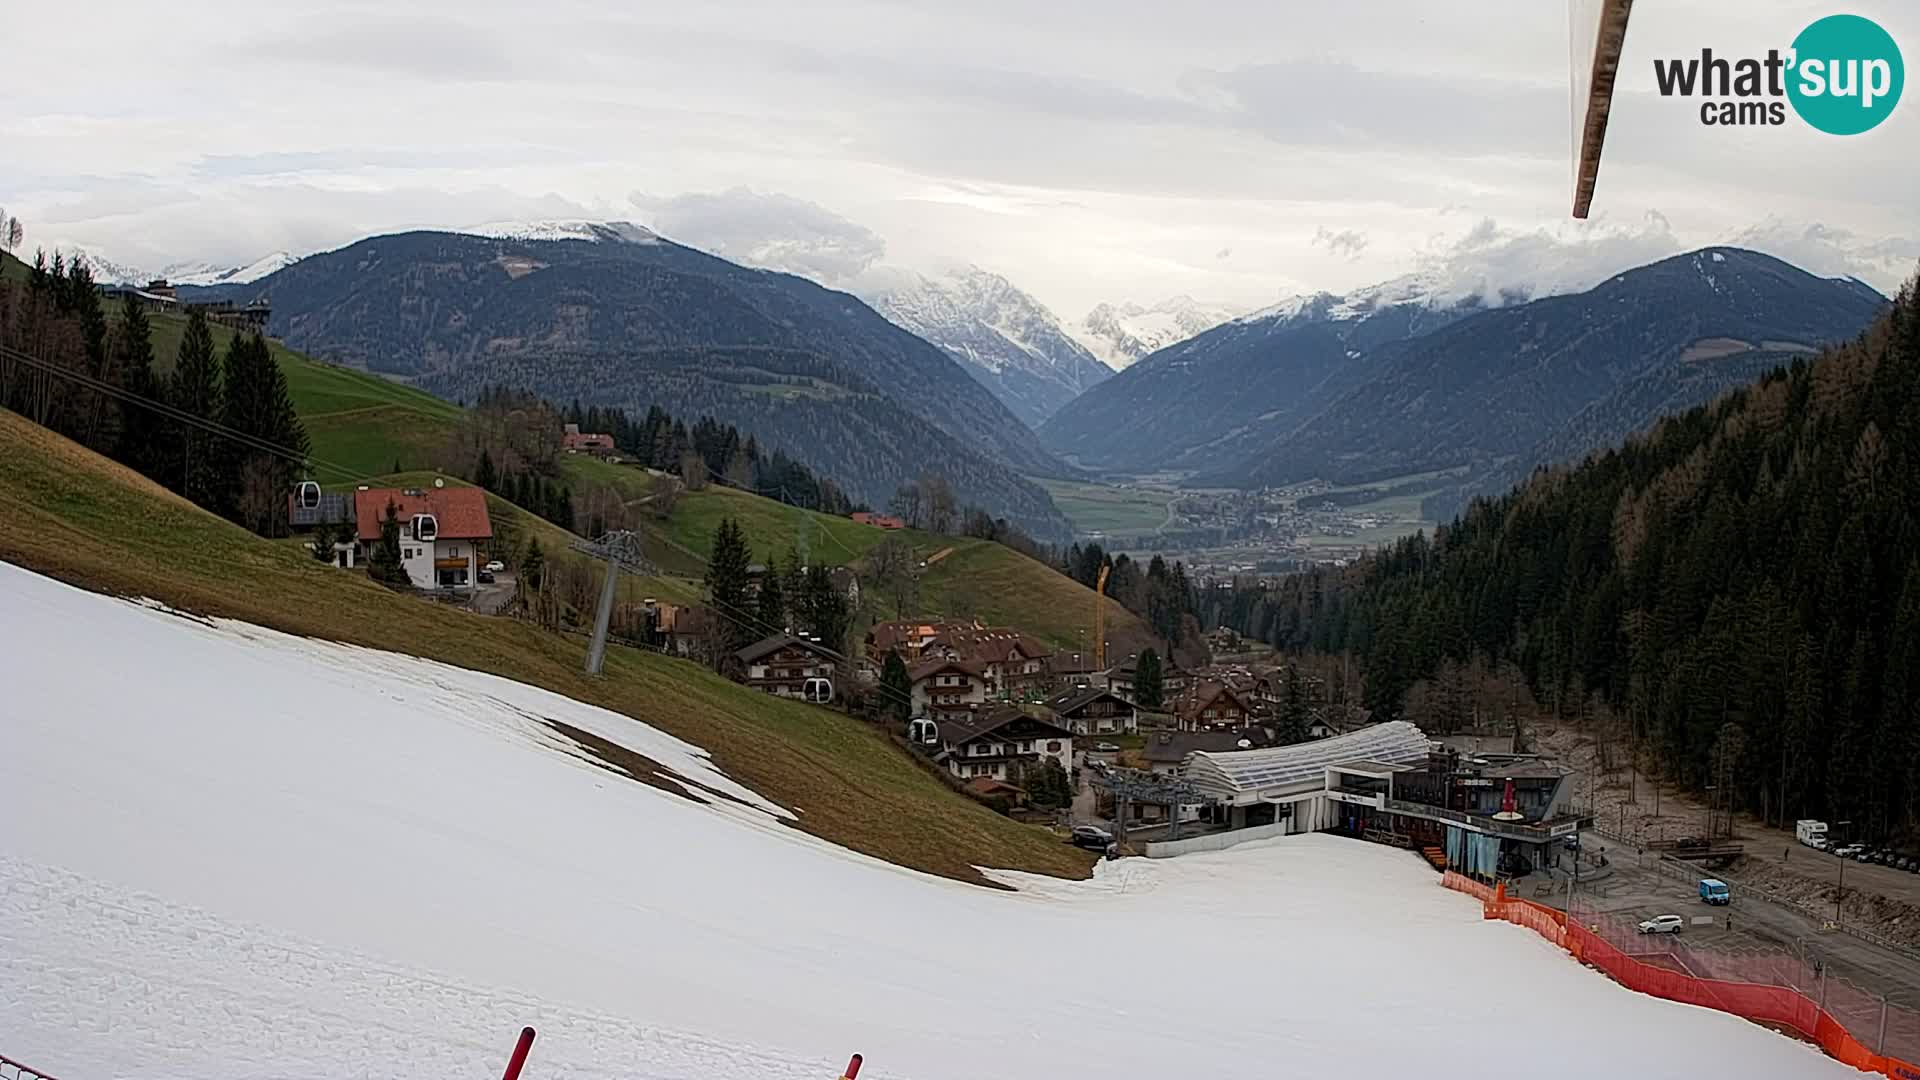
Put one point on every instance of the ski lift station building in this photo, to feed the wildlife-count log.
(1391, 782)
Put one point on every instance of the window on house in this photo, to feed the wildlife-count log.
(1053, 746)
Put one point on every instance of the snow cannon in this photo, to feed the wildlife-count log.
(853, 1069)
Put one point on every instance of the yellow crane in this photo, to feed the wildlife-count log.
(1100, 620)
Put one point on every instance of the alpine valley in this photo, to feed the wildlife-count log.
(613, 315)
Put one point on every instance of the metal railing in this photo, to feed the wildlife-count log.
(1512, 830)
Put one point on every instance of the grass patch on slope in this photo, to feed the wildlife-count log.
(69, 513)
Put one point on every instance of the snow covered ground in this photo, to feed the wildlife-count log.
(225, 852)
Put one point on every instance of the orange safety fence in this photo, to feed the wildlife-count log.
(1771, 1005)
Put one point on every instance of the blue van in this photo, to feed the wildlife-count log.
(1714, 891)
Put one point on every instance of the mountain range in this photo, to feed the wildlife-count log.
(1005, 338)
(107, 272)
(1120, 334)
(1393, 381)
(611, 314)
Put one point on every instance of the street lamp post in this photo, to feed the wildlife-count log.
(1840, 888)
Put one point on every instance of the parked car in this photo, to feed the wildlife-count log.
(1663, 924)
(485, 576)
(495, 566)
(1904, 862)
(1091, 836)
(1106, 748)
(1863, 855)
(1848, 851)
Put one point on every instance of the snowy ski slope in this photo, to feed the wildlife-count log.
(228, 853)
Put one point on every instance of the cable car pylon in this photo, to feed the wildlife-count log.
(621, 549)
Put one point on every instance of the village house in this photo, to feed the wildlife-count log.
(784, 665)
(906, 637)
(679, 629)
(443, 531)
(575, 441)
(1078, 669)
(878, 521)
(1212, 705)
(947, 689)
(1001, 743)
(1012, 663)
(1173, 681)
(847, 584)
(1091, 711)
(308, 509)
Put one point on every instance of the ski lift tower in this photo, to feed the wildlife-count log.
(622, 550)
(1133, 785)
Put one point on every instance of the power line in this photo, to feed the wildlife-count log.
(251, 441)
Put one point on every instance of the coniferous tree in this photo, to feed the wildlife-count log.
(1293, 708)
(726, 581)
(195, 389)
(533, 566)
(140, 436)
(1149, 686)
(824, 609)
(896, 687)
(772, 609)
(484, 474)
(384, 563)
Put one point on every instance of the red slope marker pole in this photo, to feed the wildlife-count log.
(853, 1069)
(519, 1058)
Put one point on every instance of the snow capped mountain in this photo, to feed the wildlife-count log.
(590, 231)
(207, 274)
(1005, 338)
(1120, 334)
(108, 272)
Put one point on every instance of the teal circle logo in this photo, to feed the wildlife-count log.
(1847, 75)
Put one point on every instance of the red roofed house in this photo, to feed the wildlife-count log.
(574, 441)
(878, 521)
(442, 531)
(1012, 662)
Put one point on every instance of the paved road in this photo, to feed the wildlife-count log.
(493, 599)
(1632, 888)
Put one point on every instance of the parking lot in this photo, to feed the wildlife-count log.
(1635, 886)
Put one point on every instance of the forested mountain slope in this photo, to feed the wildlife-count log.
(1742, 581)
(631, 320)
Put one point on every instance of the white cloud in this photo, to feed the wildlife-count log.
(772, 231)
(1096, 154)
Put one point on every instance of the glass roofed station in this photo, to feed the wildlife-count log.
(1489, 813)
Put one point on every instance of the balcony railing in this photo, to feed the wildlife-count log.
(1539, 833)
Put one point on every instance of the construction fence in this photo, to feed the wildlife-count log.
(1783, 990)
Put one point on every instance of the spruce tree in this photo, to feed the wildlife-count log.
(1293, 708)
(1149, 689)
(384, 562)
(139, 445)
(726, 582)
(896, 687)
(772, 611)
(533, 566)
(825, 609)
(195, 389)
(483, 473)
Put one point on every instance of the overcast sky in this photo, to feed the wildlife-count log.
(1236, 151)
